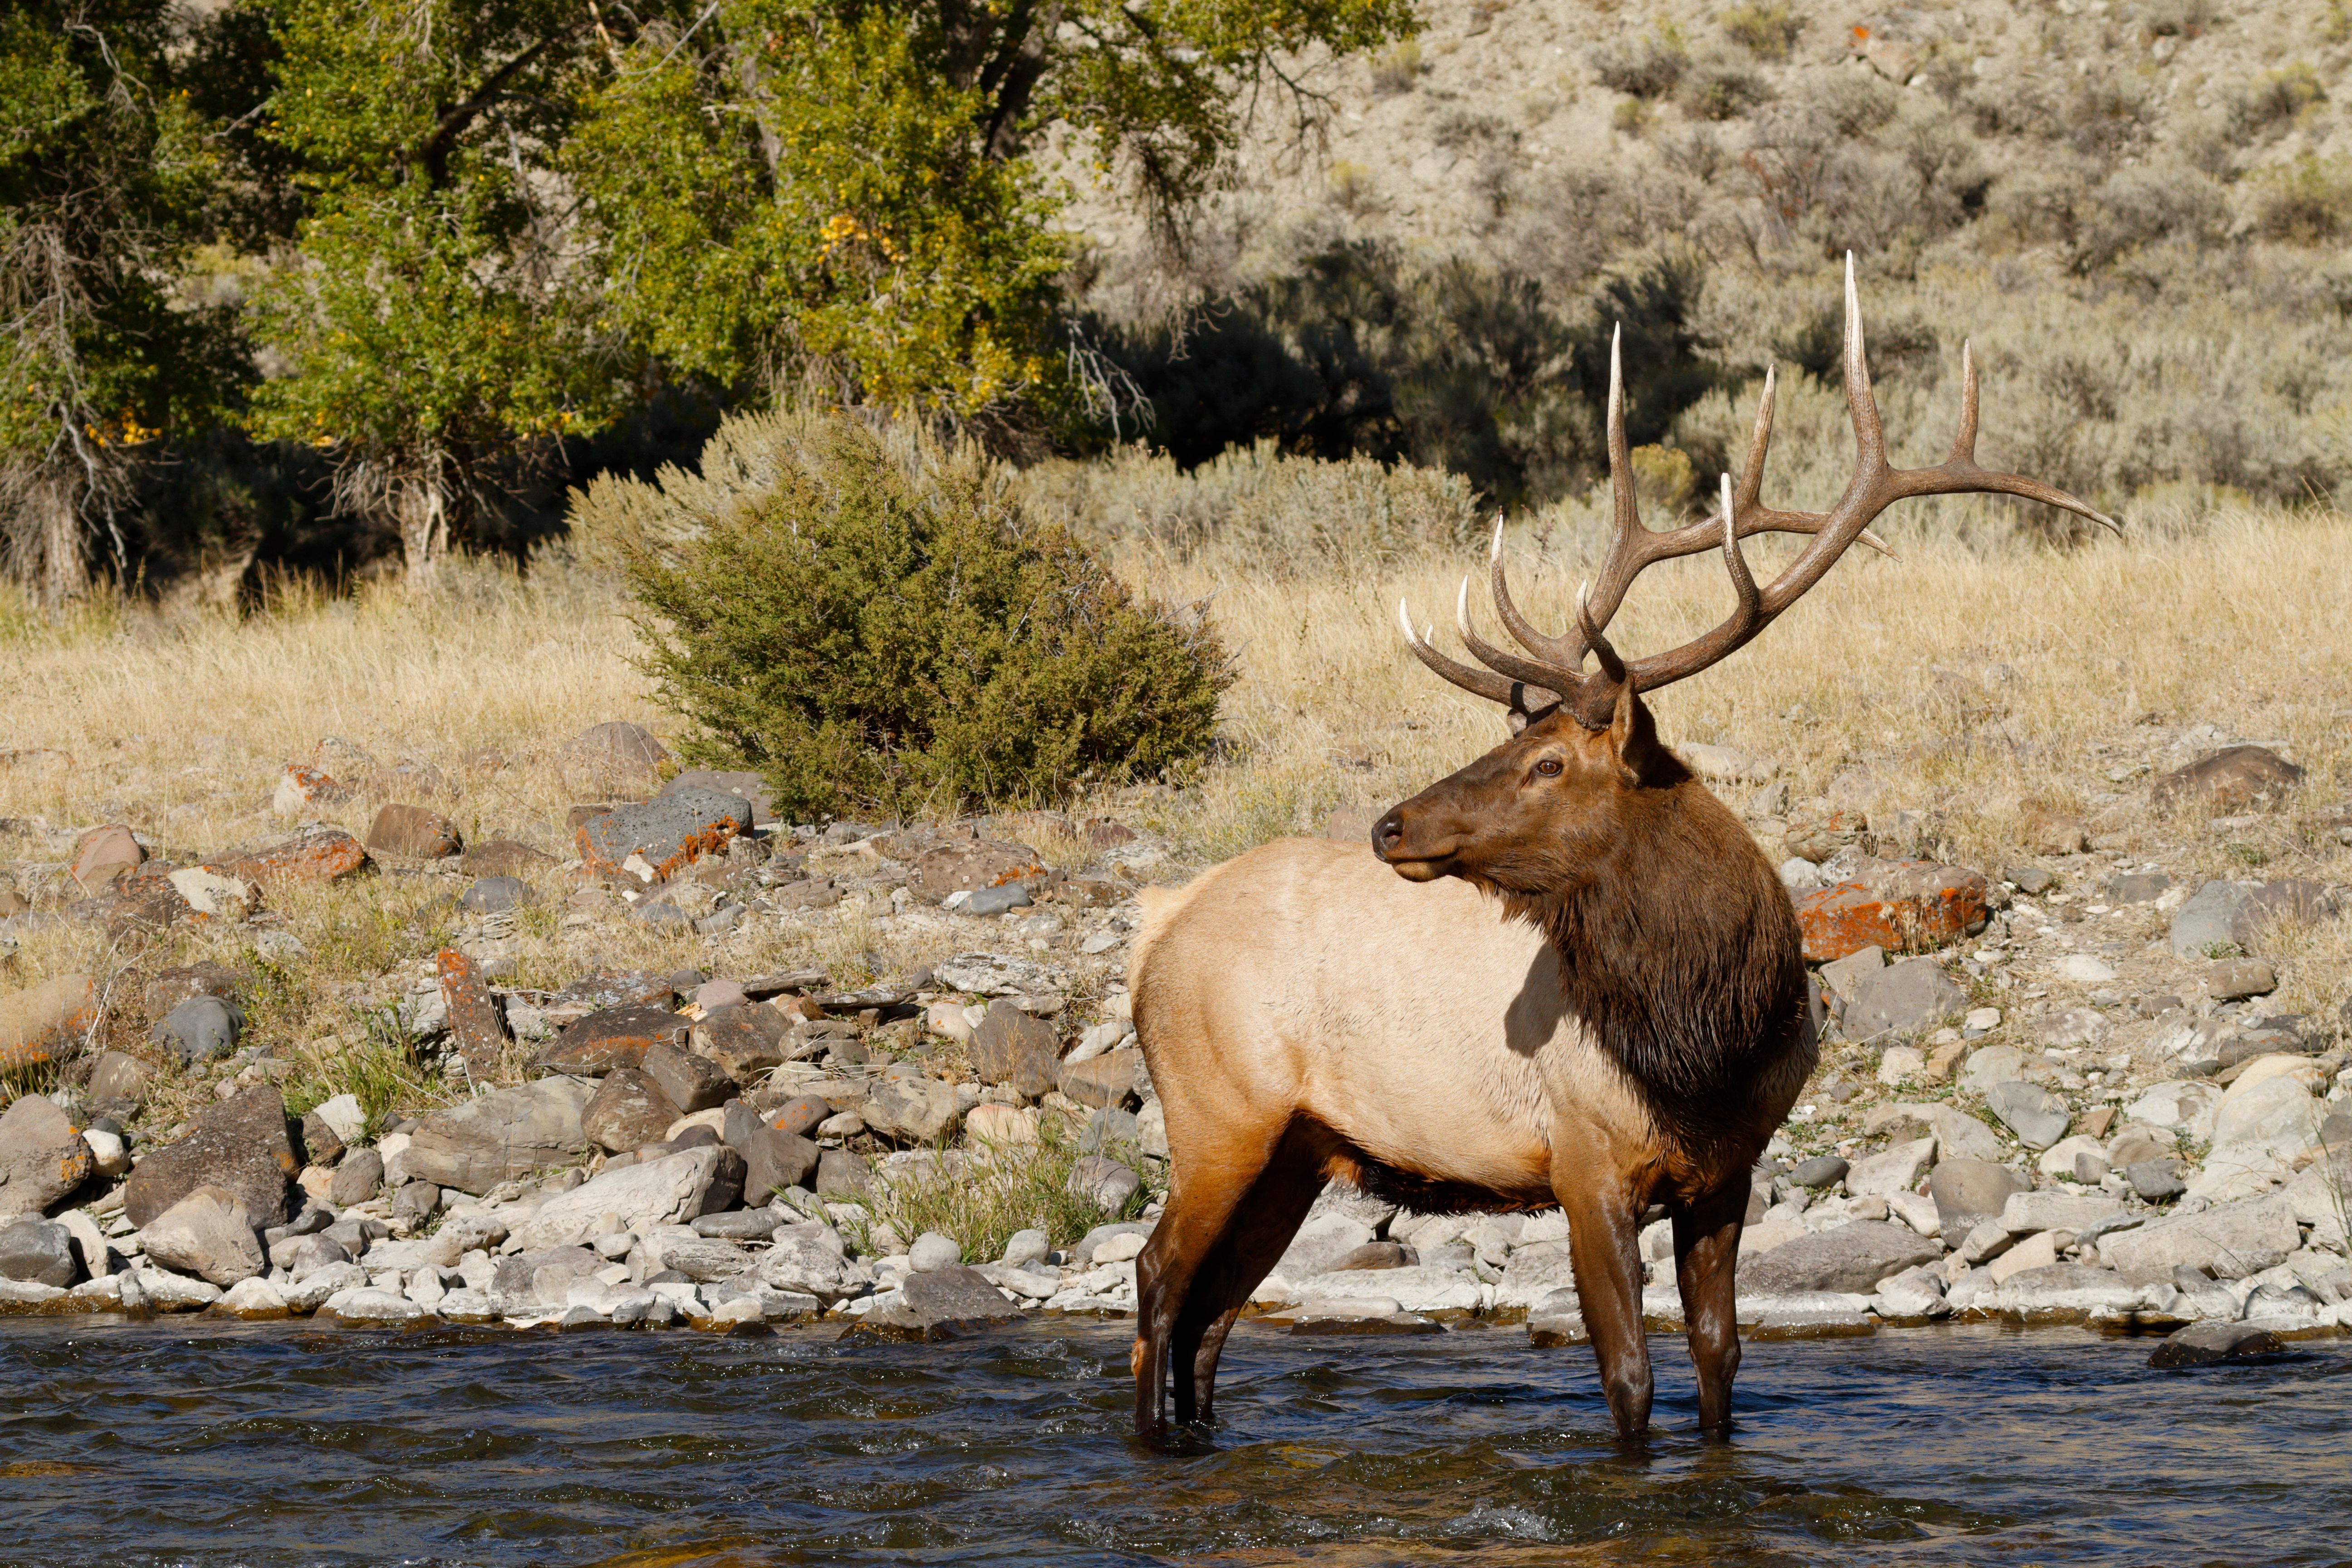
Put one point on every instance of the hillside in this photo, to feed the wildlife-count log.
(2131, 210)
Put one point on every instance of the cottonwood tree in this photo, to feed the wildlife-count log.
(107, 177)
(438, 320)
(848, 189)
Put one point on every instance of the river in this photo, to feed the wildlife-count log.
(187, 1442)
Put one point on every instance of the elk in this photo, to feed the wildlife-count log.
(1566, 975)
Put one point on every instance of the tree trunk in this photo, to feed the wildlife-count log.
(54, 500)
(420, 501)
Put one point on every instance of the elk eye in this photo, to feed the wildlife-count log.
(1549, 767)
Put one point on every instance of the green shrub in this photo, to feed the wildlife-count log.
(1647, 67)
(879, 630)
(1765, 31)
(2307, 202)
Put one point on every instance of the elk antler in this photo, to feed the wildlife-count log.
(1555, 676)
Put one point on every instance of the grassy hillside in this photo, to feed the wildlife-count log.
(2136, 210)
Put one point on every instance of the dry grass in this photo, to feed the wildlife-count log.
(180, 725)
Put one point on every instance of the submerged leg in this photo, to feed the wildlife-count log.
(1707, 1267)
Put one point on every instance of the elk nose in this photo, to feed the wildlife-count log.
(1388, 832)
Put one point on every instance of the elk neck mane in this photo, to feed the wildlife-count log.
(1679, 950)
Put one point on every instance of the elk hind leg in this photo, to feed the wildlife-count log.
(1255, 1240)
(1213, 1184)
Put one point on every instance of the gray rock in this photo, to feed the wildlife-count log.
(36, 1251)
(2202, 1344)
(692, 1082)
(496, 895)
(359, 1178)
(996, 901)
(1107, 1081)
(2277, 1108)
(627, 1112)
(744, 1224)
(201, 1028)
(1112, 1131)
(809, 1258)
(1821, 1171)
(706, 1257)
(505, 1135)
(1850, 1257)
(303, 1256)
(1843, 976)
(1104, 1182)
(746, 1040)
(1958, 1135)
(912, 1110)
(42, 1156)
(841, 1174)
(1026, 1246)
(1902, 998)
(2135, 887)
(747, 787)
(2235, 979)
(932, 1250)
(2234, 779)
(2221, 915)
(1970, 1192)
(414, 1204)
(372, 1307)
(1011, 1047)
(2038, 1117)
(2232, 1240)
(668, 831)
(209, 1233)
(940, 1302)
(118, 1075)
(2026, 1213)
(1534, 1273)
(2031, 881)
(239, 1144)
(676, 1189)
(774, 1161)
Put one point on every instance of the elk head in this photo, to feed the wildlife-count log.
(1564, 801)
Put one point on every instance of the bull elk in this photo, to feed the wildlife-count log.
(1566, 975)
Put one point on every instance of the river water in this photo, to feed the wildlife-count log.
(170, 1442)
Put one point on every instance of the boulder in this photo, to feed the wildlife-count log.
(976, 865)
(2038, 1117)
(174, 986)
(614, 1037)
(628, 1111)
(214, 894)
(503, 859)
(801, 1114)
(1901, 999)
(2235, 979)
(118, 1075)
(774, 1161)
(414, 833)
(239, 1145)
(1958, 1135)
(2202, 1344)
(102, 854)
(841, 1174)
(691, 1082)
(613, 755)
(665, 834)
(675, 1189)
(38, 1023)
(2275, 1106)
(313, 854)
(1970, 1192)
(1107, 1081)
(809, 1258)
(1850, 1257)
(478, 1027)
(1533, 1272)
(320, 1144)
(42, 1156)
(209, 1233)
(1103, 1182)
(2219, 915)
(200, 1030)
(1013, 1048)
(747, 787)
(36, 1251)
(505, 1135)
(1900, 905)
(745, 1038)
(939, 1303)
(2233, 1240)
(2026, 1213)
(2236, 779)
(358, 1178)
(254, 1299)
(2173, 1104)
(1896, 1171)
(912, 1110)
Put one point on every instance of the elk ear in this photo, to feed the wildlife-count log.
(1633, 740)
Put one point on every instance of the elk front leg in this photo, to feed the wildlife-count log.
(1603, 1245)
(1707, 1267)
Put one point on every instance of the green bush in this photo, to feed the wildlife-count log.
(884, 630)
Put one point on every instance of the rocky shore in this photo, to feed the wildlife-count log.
(2049, 1090)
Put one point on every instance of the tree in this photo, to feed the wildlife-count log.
(440, 319)
(845, 189)
(107, 176)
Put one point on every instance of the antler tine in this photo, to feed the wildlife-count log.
(1518, 695)
(1743, 584)
(1628, 539)
(1533, 672)
(1753, 516)
(1568, 651)
(1867, 434)
(1612, 666)
(1964, 439)
(1960, 473)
